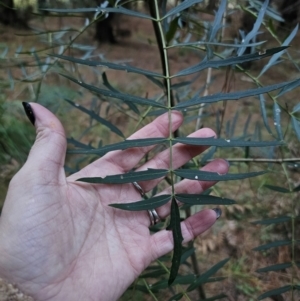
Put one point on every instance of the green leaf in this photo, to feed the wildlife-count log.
(182, 6)
(182, 84)
(172, 30)
(122, 96)
(103, 10)
(204, 277)
(296, 108)
(201, 199)
(277, 120)
(277, 188)
(215, 279)
(109, 65)
(159, 285)
(276, 291)
(276, 220)
(186, 279)
(256, 26)
(274, 59)
(215, 26)
(262, 102)
(223, 142)
(96, 117)
(200, 175)
(141, 288)
(120, 146)
(156, 81)
(154, 274)
(229, 96)
(106, 83)
(273, 244)
(297, 287)
(177, 238)
(228, 62)
(218, 297)
(147, 204)
(275, 267)
(292, 85)
(130, 177)
(187, 254)
(78, 143)
(163, 284)
(296, 126)
(176, 297)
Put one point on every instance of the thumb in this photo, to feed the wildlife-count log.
(47, 155)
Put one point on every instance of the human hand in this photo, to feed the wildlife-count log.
(59, 239)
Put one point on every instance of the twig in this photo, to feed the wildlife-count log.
(208, 80)
(263, 160)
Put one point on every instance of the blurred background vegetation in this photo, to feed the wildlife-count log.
(30, 35)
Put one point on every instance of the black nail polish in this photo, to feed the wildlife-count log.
(218, 212)
(29, 112)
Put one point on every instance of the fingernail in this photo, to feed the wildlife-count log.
(29, 112)
(218, 212)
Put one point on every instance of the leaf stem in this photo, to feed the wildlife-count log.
(162, 45)
(149, 290)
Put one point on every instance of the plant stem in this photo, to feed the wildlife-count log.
(294, 265)
(208, 80)
(160, 37)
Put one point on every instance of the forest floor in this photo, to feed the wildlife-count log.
(233, 235)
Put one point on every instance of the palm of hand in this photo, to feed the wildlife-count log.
(60, 240)
(76, 242)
